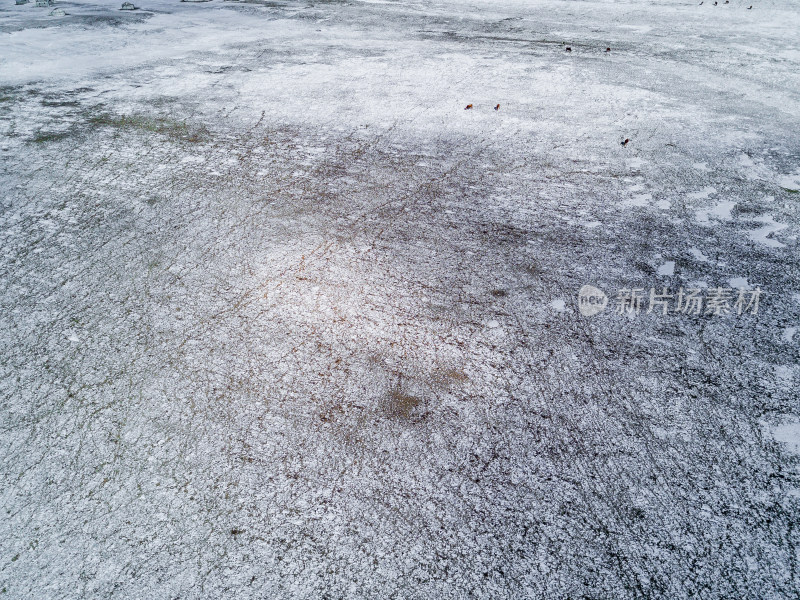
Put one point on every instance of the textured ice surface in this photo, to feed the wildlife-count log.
(280, 319)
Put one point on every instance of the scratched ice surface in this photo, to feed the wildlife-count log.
(280, 319)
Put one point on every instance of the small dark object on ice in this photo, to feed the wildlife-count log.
(469, 106)
(128, 6)
(749, 7)
(608, 49)
(715, 3)
(569, 49)
(625, 143)
(497, 107)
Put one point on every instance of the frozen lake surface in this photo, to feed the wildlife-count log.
(280, 319)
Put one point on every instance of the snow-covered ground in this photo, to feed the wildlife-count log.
(280, 319)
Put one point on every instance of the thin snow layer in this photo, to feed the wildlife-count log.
(280, 319)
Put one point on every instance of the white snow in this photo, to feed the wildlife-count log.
(788, 433)
(739, 283)
(667, 269)
(790, 181)
(764, 235)
(698, 254)
(720, 210)
(702, 194)
(280, 319)
(639, 200)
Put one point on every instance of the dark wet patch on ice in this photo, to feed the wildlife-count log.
(402, 405)
(172, 128)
